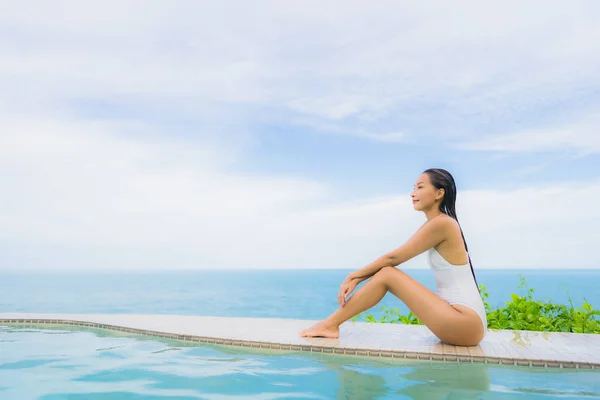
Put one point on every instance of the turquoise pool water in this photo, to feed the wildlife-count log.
(49, 363)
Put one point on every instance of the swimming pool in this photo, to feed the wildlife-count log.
(68, 362)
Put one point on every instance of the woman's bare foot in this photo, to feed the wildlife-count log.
(322, 330)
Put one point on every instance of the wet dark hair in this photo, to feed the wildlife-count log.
(442, 179)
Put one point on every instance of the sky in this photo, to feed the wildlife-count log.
(234, 135)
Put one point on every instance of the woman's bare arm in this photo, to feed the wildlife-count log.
(427, 236)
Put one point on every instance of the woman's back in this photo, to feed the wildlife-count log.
(455, 283)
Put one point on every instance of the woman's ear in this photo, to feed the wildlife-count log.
(440, 194)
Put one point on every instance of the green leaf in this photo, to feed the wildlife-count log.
(520, 312)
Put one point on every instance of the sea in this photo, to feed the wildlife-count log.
(53, 363)
(309, 294)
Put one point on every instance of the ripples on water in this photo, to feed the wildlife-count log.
(79, 363)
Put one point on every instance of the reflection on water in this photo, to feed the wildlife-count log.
(78, 362)
(362, 378)
(447, 381)
(357, 380)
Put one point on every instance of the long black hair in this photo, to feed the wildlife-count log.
(442, 179)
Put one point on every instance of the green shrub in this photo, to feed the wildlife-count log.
(519, 313)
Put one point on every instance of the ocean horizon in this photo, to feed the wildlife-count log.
(298, 294)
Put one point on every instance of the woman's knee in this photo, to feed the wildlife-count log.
(385, 273)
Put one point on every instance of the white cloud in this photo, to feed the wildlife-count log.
(107, 202)
(332, 128)
(458, 67)
(89, 187)
(545, 226)
(582, 137)
(120, 121)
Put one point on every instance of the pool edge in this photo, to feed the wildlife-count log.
(323, 349)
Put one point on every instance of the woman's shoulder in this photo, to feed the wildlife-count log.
(445, 223)
(450, 231)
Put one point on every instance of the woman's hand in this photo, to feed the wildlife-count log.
(346, 288)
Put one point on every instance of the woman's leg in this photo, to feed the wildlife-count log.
(446, 322)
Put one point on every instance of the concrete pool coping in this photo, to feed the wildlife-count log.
(417, 342)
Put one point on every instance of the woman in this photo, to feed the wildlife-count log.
(456, 315)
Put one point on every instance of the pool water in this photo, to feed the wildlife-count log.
(66, 362)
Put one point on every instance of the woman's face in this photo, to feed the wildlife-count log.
(425, 195)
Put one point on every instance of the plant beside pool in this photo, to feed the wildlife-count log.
(519, 313)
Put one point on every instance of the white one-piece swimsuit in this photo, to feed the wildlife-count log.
(455, 284)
